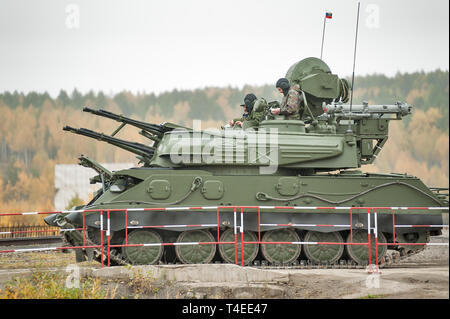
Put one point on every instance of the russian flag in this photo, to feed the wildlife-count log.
(328, 15)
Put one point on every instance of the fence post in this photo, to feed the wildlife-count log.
(351, 225)
(376, 240)
(393, 225)
(108, 235)
(101, 237)
(369, 241)
(235, 237)
(242, 236)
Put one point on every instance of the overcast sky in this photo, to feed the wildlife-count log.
(156, 46)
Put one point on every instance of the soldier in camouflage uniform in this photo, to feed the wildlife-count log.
(291, 105)
(249, 112)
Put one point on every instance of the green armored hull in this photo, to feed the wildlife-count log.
(282, 186)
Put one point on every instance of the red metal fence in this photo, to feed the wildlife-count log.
(27, 231)
(105, 231)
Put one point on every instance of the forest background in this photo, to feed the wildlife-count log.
(32, 140)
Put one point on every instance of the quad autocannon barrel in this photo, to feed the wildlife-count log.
(145, 152)
(156, 129)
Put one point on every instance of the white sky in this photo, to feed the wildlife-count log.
(156, 46)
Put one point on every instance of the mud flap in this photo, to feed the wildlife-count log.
(79, 256)
(89, 254)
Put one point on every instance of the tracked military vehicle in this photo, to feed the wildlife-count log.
(303, 164)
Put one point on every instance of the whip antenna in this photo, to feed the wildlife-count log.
(353, 74)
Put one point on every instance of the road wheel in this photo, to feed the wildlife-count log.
(281, 253)
(195, 254)
(143, 255)
(360, 253)
(227, 251)
(323, 253)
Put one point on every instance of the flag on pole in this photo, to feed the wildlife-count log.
(328, 15)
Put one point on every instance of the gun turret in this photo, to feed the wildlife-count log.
(144, 152)
(154, 129)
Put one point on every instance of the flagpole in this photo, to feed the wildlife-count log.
(323, 36)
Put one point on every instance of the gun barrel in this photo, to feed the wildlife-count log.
(152, 128)
(137, 148)
(401, 109)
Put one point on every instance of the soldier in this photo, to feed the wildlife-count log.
(291, 105)
(249, 114)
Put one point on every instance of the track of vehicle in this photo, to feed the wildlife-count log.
(390, 259)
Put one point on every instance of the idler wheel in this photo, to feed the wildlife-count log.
(323, 253)
(143, 255)
(227, 251)
(195, 254)
(360, 253)
(416, 237)
(281, 253)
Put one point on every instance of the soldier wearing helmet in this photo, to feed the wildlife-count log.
(249, 113)
(291, 105)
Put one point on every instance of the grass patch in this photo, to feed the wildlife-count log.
(52, 285)
(369, 296)
(142, 282)
(41, 260)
